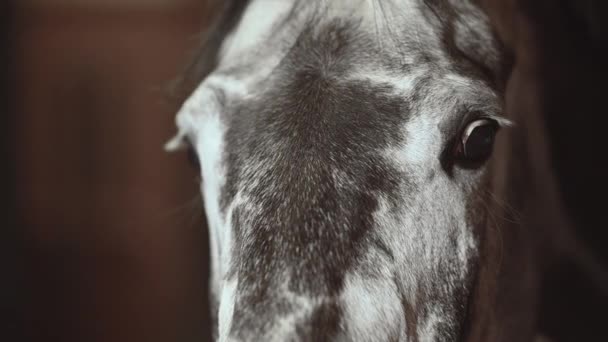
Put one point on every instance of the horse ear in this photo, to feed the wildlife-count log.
(178, 142)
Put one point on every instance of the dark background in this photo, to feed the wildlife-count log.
(10, 297)
(100, 227)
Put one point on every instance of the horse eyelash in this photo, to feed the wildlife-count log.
(501, 121)
(177, 143)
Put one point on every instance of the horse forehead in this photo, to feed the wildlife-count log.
(319, 69)
(270, 28)
(263, 18)
(306, 134)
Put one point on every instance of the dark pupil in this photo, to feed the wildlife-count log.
(479, 145)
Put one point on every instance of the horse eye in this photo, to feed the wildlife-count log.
(193, 157)
(476, 142)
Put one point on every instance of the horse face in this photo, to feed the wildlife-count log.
(343, 149)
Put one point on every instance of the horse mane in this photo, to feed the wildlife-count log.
(226, 14)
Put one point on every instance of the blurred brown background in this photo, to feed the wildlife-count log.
(113, 239)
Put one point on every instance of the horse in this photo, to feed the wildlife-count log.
(361, 179)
